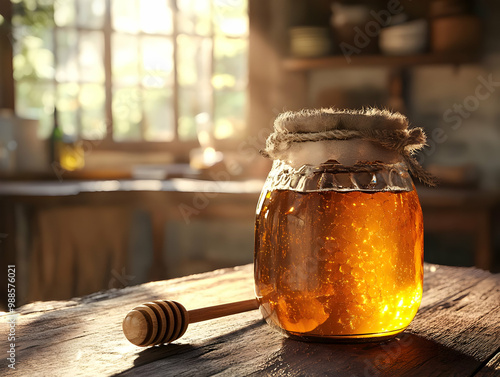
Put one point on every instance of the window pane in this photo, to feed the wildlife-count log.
(192, 102)
(229, 114)
(194, 17)
(36, 100)
(156, 17)
(91, 56)
(67, 56)
(93, 118)
(230, 70)
(124, 15)
(67, 108)
(230, 17)
(157, 62)
(194, 56)
(127, 114)
(159, 117)
(125, 53)
(64, 13)
(194, 67)
(186, 128)
(33, 57)
(91, 13)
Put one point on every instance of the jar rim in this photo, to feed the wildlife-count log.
(370, 176)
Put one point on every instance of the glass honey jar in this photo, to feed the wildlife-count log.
(339, 228)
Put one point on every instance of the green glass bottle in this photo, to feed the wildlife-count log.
(56, 138)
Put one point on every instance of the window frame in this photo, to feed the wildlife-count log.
(179, 149)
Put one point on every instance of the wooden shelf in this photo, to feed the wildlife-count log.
(339, 61)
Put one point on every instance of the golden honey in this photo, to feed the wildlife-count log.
(339, 265)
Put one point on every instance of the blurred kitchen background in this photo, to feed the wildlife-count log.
(130, 129)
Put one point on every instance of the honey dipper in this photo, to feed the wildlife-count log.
(163, 321)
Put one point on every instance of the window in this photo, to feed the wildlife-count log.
(135, 70)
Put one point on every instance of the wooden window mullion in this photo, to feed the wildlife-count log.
(108, 71)
(175, 31)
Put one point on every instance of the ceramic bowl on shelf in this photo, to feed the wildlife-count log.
(404, 39)
(309, 41)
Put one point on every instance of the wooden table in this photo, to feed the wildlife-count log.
(456, 332)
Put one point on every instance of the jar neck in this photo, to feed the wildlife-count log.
(332, 176)
(345, 152)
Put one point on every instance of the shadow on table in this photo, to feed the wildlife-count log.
(183, 352)
(152, 354)
(407, 355)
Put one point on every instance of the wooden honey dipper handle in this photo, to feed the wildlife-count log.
(164, 321)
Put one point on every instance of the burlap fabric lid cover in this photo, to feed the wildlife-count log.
(314, 136)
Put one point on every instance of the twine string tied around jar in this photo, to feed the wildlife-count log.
(299, 127)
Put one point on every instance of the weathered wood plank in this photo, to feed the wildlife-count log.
(456, 332)
(461, 307)
(492, 368)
